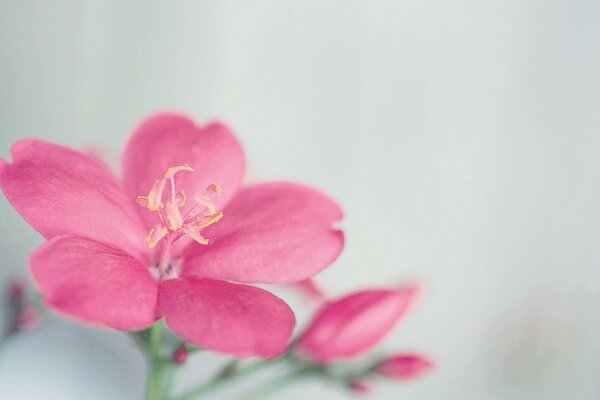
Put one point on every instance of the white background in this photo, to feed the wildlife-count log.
(461, 137)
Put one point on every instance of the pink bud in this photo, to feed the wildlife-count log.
(404, 366)
(360, 386)
(180, 355)
(354, 324)
(28, 318)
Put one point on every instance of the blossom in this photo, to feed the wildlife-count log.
(354, 324)
(176, 237)
(404, 366)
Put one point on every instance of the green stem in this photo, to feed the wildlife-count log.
(277, 384)
(221, 379)
(155, 369)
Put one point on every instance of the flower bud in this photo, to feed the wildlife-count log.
(354, 324)
(180, 355)
(360, 386)
(404, 366)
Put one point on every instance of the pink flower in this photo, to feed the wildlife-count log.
(174, 254)
(404, 366)
(354, 324)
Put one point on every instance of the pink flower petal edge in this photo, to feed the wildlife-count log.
(277, 232)
(404, 366)
(60, 191)
(95, 283)
(225, 317)
(355, 323)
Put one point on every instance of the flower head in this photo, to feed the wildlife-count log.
(354, 324)
(172, 237)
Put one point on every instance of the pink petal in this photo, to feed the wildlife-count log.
(404, 366)
(95, 282)
(276, 232)
(235, 319)
(166, 140)
(354, 324)
(60, 191)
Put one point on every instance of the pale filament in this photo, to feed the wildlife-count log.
(173, 224)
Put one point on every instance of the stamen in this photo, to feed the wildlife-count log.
(153, 201)
(180, 198)
(175, 225)
(195, 235)
(214, 188)
(172, 171)
(211, 220)
(156, 234)
(206, 203)
(174, 217)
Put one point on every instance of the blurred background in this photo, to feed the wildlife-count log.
(462, 139)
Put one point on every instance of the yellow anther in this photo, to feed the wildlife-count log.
(195, 235)
(177, 168)
(156, 234)
(153, 201)
(214, 188)
(211, 220)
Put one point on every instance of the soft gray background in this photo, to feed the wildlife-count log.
(461, 137)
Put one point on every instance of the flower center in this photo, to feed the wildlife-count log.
(174, 224)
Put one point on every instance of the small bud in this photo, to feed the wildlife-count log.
(360, 386)
(403, 366)
(180, 355)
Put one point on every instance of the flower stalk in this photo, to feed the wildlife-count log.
(156, 364)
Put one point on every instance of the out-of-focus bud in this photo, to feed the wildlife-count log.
(355, 323)
(404, 366)
(360, 386)
(28, 318)
(180, 355)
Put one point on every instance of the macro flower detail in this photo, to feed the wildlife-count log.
(176, 238)
(355, 323)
